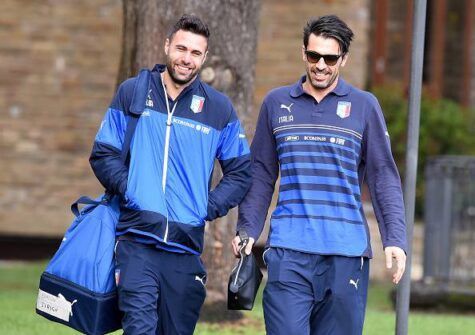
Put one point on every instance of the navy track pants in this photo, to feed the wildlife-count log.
(160, 292)
(314, 294)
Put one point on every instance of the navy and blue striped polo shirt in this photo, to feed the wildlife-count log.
(323, 151)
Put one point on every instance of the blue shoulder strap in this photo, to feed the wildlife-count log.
(136, 109)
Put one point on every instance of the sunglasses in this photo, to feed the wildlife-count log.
(314, 57)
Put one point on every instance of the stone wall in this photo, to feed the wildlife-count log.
(58, 65)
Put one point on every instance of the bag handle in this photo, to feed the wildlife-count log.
(244, 238)
(234, 287)
(87, 201)
(136, 109)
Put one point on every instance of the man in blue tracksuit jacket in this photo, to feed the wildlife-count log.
(165, 189)
(326, 137)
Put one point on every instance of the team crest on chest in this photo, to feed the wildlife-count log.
(343, 109)
(197, 103)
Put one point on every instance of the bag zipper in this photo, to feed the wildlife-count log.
(241, 261)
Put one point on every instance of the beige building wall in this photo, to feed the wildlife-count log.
(58, 65)
(280, 41)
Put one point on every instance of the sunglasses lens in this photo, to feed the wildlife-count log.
(331, 59)
(314, 57)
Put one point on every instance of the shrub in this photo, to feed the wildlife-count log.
(445, 128)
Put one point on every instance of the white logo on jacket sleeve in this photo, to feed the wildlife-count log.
(343, 109)
(102, 124)
(56, 306)
(197, 103)
(149, 102)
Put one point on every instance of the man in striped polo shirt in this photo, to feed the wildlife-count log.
(325, 137)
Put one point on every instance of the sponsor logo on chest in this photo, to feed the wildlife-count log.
(332, 139)
(337, 140)
(291, 138)
(201, 128)
(315, 138)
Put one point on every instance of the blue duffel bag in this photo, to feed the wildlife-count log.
(78, 287)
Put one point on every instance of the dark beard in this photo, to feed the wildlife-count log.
(330, 82)
(176, 80)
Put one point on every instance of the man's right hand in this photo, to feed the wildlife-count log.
(236, 246)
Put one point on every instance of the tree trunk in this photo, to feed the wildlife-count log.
(230, 68)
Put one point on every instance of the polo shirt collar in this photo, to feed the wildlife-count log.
(341, 89)
(297, 89)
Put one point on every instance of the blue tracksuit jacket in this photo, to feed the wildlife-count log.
(324, 152)
(166, 201)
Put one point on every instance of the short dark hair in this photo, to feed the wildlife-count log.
(191, 23)
(329, 26)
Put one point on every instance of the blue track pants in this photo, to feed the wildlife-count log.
(314, 294)
(160, 292)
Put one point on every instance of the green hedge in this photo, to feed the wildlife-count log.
(445, 128)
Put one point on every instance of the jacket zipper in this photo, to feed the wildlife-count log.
(166, 150)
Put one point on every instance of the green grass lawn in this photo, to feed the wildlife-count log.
(19, 282)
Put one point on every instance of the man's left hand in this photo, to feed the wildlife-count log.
(400, 256)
